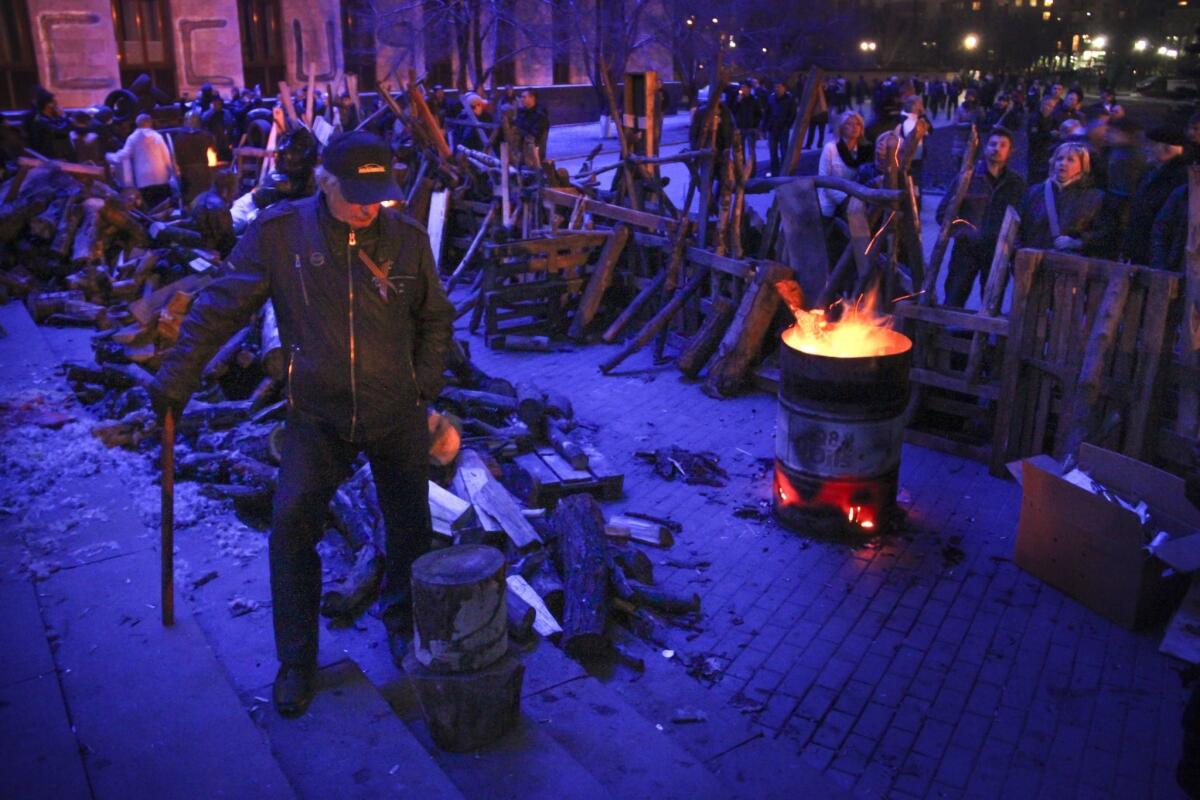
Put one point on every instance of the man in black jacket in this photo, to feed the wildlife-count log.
(1168, 170)
(993, 188)
(366, 324)
(781, 114)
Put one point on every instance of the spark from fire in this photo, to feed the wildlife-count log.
(861, 332)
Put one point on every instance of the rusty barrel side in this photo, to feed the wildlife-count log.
(838, 434)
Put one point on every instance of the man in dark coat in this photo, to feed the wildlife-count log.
(533, 122)
(993, 189)
(219, 122)
(191, 146)
(747, 115)
(781, 115)
(366, 325)
(50, 130)
(1168, 170)
(1168, 237)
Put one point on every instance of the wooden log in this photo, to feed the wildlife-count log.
(468, 711)
(1100, 342)
(659, 321)
(993, 290)
(664, 600)
(633, 562)
(220, 363)
(743, 340)
(359, 588)
(599, 282)
(565, 446)
(638, 529)
(458, 602)
(649, 290)
(477, 403)
(549, 587)
(959, 193)
(701, 347)
(472, 249)
(494, 499)
(521, 616)
(579, 523)
(708, 139)
(558, 405)
(804, 248)
(531, 407)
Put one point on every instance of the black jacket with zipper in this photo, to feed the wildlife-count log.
(356, 360)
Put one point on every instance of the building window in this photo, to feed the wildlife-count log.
(18, 64)
(560, 21)
(263, 61)
(1045, 16)
(358, 42)
(144, 43)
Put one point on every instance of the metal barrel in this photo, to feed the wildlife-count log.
(838, 434)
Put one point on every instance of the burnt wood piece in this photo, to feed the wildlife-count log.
(531, 407)
(579, 523)
(743, 340)
(359, 588)
(633, 562)
(459, 619)
(649, 290)
(468, 711)
(664, 600)
(659, 321)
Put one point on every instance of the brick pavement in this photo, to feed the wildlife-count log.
(894, 666)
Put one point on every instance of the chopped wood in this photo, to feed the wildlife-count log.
(500, 505)
(579, 523)
(544, 622)
(623, 526)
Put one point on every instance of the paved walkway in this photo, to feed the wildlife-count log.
(924, 664)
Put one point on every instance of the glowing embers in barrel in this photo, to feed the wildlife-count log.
(842, 393)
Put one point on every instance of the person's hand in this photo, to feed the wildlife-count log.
(1067, 243)
(162, 403)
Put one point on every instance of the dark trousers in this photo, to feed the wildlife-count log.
(153, 195)
(816, 128)
(315, 462)
(777, 144)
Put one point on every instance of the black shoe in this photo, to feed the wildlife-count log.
(293, 689)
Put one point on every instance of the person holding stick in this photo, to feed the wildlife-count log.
(366, 326)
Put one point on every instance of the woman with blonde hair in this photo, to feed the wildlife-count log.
(841, 158)
(1063, 211)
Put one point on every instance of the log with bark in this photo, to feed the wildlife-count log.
(579, 524)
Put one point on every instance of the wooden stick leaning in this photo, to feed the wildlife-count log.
(961, 184)
(167, 508)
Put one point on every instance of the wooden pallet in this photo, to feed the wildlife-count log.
(1089, 340)
(542, 477)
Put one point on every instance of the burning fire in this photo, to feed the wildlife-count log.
(212, 157)
(861, 332)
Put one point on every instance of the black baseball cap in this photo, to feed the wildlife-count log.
(362, 164)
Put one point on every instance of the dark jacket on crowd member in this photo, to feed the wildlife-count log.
(1078, 205)
(982, 212)
(534, 123)
(1042, 141)
(724, 128)
(148, 95)
(747, 112)
(51, 136)
(781, 112)
(1151, 195)
(304, 260)
(219, 123)
(1168, 237)
(191, 154)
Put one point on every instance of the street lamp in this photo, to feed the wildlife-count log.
(1100, 42)
(970, 41)
(1140, 45)
(866, 46)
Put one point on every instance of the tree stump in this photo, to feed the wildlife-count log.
(580, 525)
(465, 712)
(460, 619)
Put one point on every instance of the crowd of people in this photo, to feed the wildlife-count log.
(1096, 181)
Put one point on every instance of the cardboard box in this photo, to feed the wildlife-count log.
(1092, 548)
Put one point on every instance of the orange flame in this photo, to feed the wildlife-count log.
(212, 157)
(860, 332)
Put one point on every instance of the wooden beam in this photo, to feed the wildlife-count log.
(961, 184)
(808, 102)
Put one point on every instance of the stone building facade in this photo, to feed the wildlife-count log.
(82, 50)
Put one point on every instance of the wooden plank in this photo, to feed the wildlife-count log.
(654, 223)
(993, 290)
(543, 484)
(743, 340)
(1188, 415)
(945, 316)
(1152, 352)
(599, 282)
(809, 97)
(475, 475)
(961, 184)
(930, 377)
(559, 466)
(736, 267)
(497, 502)
(1024, 268)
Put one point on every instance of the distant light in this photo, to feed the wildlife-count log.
(1140, 45)
(764, 49)
(715, 20)
(1162, 51)
(866, 46)
(689, 22)
(732, 43)
(970, 41)
(1045, 16)
(1100, 42)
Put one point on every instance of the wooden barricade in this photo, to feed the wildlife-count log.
(1088, 343)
